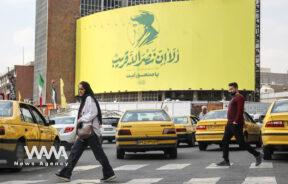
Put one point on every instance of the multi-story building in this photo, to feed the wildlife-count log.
(55, 52)
(55, 37)
(17, 83)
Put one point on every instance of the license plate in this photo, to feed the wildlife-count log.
(145, 142)
(215, 127)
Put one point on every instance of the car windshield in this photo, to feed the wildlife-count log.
(109, 121)
(134, 116)
(6, 109)
(215, 115)
(180, 120)
(64, 120)
(279, 107)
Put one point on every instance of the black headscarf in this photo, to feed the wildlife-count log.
(89, 92)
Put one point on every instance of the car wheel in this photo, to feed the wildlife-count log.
(202, 146)
(171, 153)
(110, 141)
(120, 153)
(56, 144)
(191, 141)
(18, 156)
(268, 151)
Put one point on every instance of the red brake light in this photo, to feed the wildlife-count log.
(68, 129)
(181, 130)
(201, 127)
(124, 132)
(2, 130)
(169, 131)
(276, 124)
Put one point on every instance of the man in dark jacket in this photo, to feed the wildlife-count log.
(235, 125)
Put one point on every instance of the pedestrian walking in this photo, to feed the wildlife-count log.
(88, 132)
(235, 125)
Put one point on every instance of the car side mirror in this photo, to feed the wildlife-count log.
(51, 122)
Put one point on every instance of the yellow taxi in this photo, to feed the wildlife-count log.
(22, 125)
(210, 129)
(185, 128)
(275, 129)
(146, 130)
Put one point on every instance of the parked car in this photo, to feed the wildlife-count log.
(185, 129)
(66, 127)
(146, 130)
(275, 129)
(210, 130)
(108, 129)
(22, 125)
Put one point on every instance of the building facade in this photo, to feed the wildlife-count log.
(17, 83)
(55, 40)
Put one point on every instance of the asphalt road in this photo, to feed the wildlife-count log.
(191, 167)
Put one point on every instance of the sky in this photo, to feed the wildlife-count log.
(17, 31)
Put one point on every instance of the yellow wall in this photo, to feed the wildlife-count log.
(200, 44)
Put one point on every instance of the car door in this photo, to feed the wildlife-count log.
(31, 129)
(45, 131)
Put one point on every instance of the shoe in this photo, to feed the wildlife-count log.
(259, 160)
(63, 178)
(109, 178)
(223, 163)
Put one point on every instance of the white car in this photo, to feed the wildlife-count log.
(66, 126)
(108, 129)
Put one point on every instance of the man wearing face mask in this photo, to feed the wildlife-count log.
(235, 125)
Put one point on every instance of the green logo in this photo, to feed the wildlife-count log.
(141, 30)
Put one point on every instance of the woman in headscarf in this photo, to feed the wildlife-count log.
(89, 114)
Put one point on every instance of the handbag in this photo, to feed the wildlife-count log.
(85, 132)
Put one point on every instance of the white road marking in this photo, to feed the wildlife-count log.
(129, 167)
(173, 166)
(214, 166)
(85, 167)
(260, 180)
(203, 180)
(144, 181)
(79, 181)
(23, 182)
(264, 165)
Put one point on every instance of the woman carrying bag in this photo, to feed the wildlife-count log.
(88, 132)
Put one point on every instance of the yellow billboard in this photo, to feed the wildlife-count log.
(188, 45)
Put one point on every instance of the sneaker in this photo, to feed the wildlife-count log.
(223, 163)
(258, 160)
(63, 178)
(109, 178)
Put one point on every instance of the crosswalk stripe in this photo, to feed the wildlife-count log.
(264, 165)
(214, 166)
(260, 180)
(203, 180)
(79, 181)
(173, 166)
(129, 167)
(85, 167)
(23, 182)
(144, 181)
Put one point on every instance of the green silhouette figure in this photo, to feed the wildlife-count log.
(143, 31)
